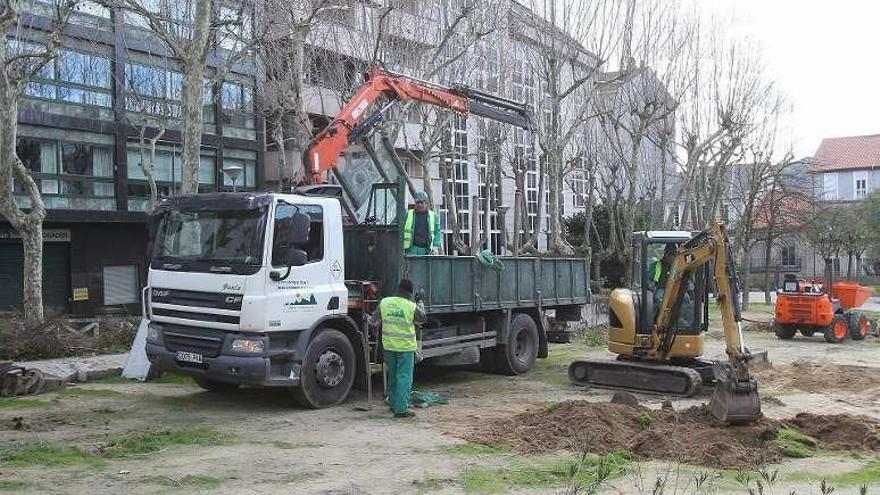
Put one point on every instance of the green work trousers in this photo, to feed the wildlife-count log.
(399, 373)
(418, 251)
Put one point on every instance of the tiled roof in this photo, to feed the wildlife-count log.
(844, 153)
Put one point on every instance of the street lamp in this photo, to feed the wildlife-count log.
(233, 171)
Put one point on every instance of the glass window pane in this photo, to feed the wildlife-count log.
(231, 96)
(102, 160)
(206, 170)
(76, 159)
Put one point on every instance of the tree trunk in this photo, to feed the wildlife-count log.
(192, 97)
(746, 278)
(28, 225)
(768, 255)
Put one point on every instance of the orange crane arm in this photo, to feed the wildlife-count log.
(350, 123)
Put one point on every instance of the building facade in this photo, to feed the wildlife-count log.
(79, 124)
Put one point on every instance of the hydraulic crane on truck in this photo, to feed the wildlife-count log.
(658, 350)
(352, 122)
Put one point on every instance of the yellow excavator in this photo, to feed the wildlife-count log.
(656, 327)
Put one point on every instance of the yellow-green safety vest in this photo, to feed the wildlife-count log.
(655, 270)
(408, 228)
(398, 329)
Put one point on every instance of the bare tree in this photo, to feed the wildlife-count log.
(192, 30)
(23, 60)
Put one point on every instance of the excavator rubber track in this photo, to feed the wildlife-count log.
(634, 376)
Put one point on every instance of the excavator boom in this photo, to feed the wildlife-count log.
(352, 121)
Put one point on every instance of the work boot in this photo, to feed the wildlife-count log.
(405, 414)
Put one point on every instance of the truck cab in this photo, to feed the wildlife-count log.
(235, 280)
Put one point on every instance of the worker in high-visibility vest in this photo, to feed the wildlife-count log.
(397, 317)
(658, 272)
(421, 228)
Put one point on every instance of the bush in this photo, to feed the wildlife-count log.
(59, 338)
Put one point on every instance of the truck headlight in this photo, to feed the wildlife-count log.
(245, 345)
(152, 334)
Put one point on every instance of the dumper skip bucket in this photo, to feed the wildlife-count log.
(851, 295)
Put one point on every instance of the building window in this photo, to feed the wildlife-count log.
(579, 189)
(167, 172)
(247, 180)
(829, 186)
(413, 168)
(73, 77)
(156, 91)
(789, 256)
(860, 182)
(120, 285)
(72, 176)
(238, 105)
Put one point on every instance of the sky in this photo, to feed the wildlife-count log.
(825, 56)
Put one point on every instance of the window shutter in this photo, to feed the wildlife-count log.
(120, 285)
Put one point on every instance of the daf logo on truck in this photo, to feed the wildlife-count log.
(161, 293)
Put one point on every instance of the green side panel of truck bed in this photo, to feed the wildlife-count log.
(452, 284)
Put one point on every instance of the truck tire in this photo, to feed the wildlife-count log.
(858, 326)
(837, 330)
(215, 386)
(784, 331)
(518, 354)
(328, 370)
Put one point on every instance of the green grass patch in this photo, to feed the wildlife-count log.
(19, 403)
(868, 474)
(88, 392)
(793, 443)
(474, 449)
(147, 443)
(188, 481)
(44, 454)
(12, 485)
(585, 470)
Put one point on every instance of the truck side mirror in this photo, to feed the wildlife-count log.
(295, 257)
(297, 231)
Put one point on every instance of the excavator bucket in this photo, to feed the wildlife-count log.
(735, 401)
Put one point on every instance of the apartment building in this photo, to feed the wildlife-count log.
(78, 133)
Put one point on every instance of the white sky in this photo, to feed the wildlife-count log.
(825, 55)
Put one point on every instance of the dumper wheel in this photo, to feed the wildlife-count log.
(328, 371)
(808, 331)
(214, 385)
(518, 355)
(784, 331)
(858, 326)
(836, 331)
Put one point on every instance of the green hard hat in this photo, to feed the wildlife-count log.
(420, 196)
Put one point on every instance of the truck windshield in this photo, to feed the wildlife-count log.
(212, 236)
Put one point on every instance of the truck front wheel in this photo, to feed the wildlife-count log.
(518, 354)
(328, 371)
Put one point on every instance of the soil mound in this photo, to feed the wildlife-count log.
(808, 376)
(840, 431)
(691, 436)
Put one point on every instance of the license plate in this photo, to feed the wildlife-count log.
(189, 357)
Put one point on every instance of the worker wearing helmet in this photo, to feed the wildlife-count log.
(397, 317)
(421, 228)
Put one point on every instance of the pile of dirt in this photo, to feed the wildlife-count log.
(692, 436)
(839, 431)
(808, 376)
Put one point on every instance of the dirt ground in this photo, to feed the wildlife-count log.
(498, 435)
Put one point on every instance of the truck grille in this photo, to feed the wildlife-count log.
(189, 315)
(204, 341)
(196, 298)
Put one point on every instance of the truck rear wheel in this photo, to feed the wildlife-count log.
(328, 371)
(836, 331)
(858, 326)
(518, 354)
